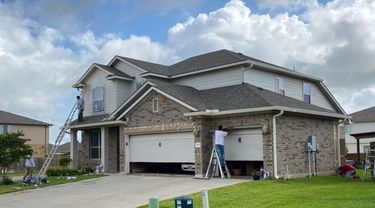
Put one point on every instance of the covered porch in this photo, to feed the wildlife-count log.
(358, 137)
(100, 142)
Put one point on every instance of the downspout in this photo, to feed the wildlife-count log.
(243, 72)
(274, 146)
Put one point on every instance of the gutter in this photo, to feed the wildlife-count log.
(243, 72)
(97, 124)
(269, 108)
(274, 145)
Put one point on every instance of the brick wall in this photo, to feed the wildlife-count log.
(142, 120)
(208, 125)
(113, 143)
(169, 112)
(292, 134)
(86, 162)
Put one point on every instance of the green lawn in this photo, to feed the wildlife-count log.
(321, 192)
(51, 182)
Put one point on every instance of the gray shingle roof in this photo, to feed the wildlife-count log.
(114, 71)
(90, 120)
(200, 62)
(148, 66)
(11, 118)
(363, 116)
(234, 97)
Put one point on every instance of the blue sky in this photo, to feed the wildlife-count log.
(45, 46)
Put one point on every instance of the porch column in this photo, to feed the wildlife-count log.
(358, 152)
(104, 148)
(73, 149)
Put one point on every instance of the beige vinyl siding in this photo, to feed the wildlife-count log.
(128, 69)
(213, 79)
(38, 135)
(293, 86)
(123, 89)
(261, 79)
(317, 98)
(97, 79)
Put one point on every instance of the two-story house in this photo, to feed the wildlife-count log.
(146, 117)
(36, 131)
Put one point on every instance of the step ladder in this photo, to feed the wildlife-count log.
(214, 164)
(369, 163)
(59, 138)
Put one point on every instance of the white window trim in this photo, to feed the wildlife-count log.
(155, 108)
(277, 85)
(99, 147)
(94, 100)
(303, 91)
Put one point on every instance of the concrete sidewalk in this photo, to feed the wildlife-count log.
(115, 191)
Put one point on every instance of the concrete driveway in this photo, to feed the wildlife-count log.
(117, 191)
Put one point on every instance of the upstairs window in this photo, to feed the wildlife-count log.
(306, 92)
(280, 85)
(155, 105)
(98, 99)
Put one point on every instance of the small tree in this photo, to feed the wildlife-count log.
(12, 148)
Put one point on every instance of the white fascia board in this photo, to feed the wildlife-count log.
(119, 77)
(125, 61)
(159, 91)
(210, 69)
(333, 99)
(130, 98)
(262, 109)
(154, 75)
(87, 73)
(105, 123)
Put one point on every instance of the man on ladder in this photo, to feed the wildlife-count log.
(219, 144)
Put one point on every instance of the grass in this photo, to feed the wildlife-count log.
(14, 174)
(52, 181)
(321, 192)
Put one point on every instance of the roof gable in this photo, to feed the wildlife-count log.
(111, 72)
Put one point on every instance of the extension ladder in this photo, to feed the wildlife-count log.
(213, 165)
(59, 138)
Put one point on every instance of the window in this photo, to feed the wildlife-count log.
(98, 99)
(306, 92)
(155, 105)
(5, 129)
(95, 144)
(280, 85)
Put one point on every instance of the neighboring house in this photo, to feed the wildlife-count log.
(146, 117)
(36, 131)
(363, 129)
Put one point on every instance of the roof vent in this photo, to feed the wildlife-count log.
(259, 88)
(240, 54)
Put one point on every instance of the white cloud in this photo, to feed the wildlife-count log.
(335, 41)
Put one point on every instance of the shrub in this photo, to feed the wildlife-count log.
(64, 162)
(64, 172)
(7, 181)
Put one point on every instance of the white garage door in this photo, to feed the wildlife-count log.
(162, 148)
(244, 145)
